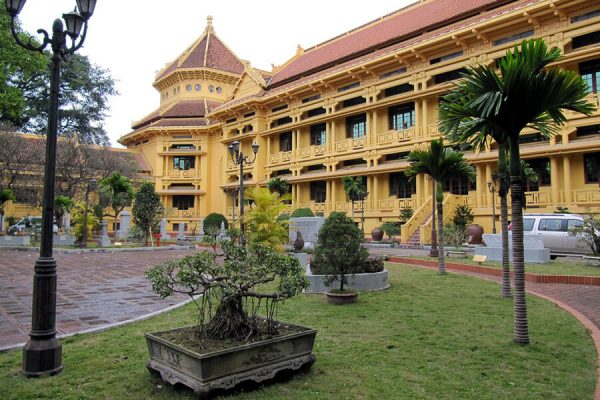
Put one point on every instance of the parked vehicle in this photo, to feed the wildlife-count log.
(25, 222)
(554, 229)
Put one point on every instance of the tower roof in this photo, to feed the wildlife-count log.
(208, 51)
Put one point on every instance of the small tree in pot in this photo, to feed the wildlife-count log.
(339, 253)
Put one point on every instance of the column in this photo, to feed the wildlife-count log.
(424, 118)
(268, 149)
(488, 178)
(328, 136)
(567, 179)
(370, 191)
(294, 142)
(294, 190)
(368, 128)
(375, 194)
(554, 181)
(333, 138)
(328, 204)
(298, 143)
(419, 181)
(481, 184)
(333, 189)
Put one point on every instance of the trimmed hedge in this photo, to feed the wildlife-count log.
(213, 220)
(302, 212)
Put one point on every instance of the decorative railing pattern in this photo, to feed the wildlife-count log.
(392, 136)
(190, 173)
(312, 151)
(280, 157)
(586, 197)
(350, 144)
(172, 212)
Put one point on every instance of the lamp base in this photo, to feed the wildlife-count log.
(42, 357)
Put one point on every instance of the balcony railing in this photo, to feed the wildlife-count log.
(281, 157)
(395, 204)
(173, 212)
(350, 144)
(189, 173)
(315, 207)
(312, 151)
(392, 136)
(586, 197)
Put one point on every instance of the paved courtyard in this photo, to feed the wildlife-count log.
(94, 289)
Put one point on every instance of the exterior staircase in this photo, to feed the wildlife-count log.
(414, 242)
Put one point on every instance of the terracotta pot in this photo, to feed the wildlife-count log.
(341, 298)
(475, 233)
(377, 234)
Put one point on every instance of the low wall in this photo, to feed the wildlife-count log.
(369, 282)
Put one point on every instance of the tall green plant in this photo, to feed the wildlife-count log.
(355, 188)
(147, 209)
(62, 205)
(441, 163)
(117, 191)
(261, 221)
(279, 185)
(528, 91)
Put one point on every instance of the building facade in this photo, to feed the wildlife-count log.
(356, 105)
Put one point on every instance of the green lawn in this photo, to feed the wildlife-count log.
(427, 337)
(554, 267)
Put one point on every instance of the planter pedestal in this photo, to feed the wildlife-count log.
(225, 369)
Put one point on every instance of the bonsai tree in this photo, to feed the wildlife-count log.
(6, 195)
(588, 233)
(117, 191)
(147, 209)
(212, 223)
(355, 189)
(339, 251)
(302, 212)
(440, 163)
(262, 220)
(62, 205)
(231, 288)
(391, 229)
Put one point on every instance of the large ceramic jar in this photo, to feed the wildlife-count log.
(377, 234)
(475, 232)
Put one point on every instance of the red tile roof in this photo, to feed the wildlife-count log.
(208, 51)
(185, 108)
(402, 25)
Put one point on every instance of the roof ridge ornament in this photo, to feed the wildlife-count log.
(209, 25)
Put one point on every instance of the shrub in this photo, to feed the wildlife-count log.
(463, 216)
(391, 229)
(370, 265)
(588, 234)
(262, 225)
(406, 213)
(302, 212)
(339, 251)
(212, 223)
(455, 235)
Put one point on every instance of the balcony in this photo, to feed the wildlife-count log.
(312, 151)
(315, 207)
(395, 205)
(189, 173)
(173, 212)
(281, 157)
(350, 144)
(393, 136)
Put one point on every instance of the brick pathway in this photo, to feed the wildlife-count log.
(94, 289)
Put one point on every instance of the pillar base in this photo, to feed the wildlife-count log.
(42, 357)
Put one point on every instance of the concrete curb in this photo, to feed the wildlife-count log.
(108, 326)
(589, 325)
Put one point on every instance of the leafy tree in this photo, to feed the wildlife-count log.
(463, 216)
(355, 188)
(440, 163)
(588, 233)
(279, 185)
(117, 192)
(503, 104)
(92, 221)
(262, 224)
(212, 223)
(147, 209)
(302, 212)
(339, 251)
(391, 229)
(6, 195)
(62, 205)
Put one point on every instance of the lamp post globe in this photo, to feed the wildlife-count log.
(42, 354)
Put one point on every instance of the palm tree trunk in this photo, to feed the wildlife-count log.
(440, 227)
(521, 329)
(503, 192)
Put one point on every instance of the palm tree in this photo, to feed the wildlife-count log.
(6, 195)
(263, 226)
(355, 189)
(279, 185)
(62, 205)
(117, 191)
(441, 163)
(528, 92)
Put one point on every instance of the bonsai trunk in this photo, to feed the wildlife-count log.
(521, 329)
(230, 320)
(440, 227)
(505, 291)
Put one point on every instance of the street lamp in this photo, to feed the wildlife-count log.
(362, 197)
(42, 353)
(492, 188)
(238, 158)
(91, 186)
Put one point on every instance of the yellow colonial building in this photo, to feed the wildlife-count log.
(356, 105)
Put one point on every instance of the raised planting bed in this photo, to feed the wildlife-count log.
(362, 281)
(204, 365)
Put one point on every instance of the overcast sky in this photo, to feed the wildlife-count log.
(136, 38)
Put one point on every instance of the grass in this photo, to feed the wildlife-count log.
(427, 337)
(554, 267)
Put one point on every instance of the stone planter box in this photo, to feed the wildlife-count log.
(63, 240)
(10, 240)
(225, 369)
(591, 260)
(456, 254)
(367, 281)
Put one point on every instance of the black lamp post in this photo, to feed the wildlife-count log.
(42, 353)
(492, 188)
(91, 186)
(362, 197)
(239, 159)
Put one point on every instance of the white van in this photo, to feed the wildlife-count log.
(554, 229)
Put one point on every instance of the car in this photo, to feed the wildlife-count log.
(554, 229)
(25, 222)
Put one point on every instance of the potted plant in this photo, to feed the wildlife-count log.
(339, 253)
(231, 343)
